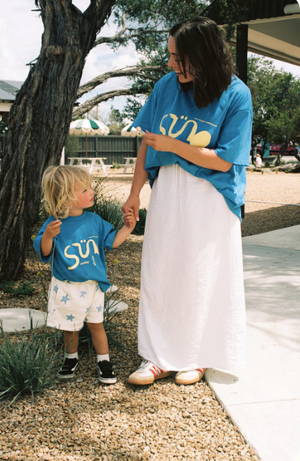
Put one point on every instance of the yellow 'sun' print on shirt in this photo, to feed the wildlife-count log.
(201, 139)
(80, 251)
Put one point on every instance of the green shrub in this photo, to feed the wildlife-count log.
(140, 225)
(109, 210)
(27, 364)
(24, 289)
(71, 146)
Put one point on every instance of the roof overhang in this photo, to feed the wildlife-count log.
(273, 26)
(5, 106)
(276, 38)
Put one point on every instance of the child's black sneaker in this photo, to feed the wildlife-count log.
(106, 372)
(68, 369)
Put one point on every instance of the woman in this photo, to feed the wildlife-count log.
(197, 125)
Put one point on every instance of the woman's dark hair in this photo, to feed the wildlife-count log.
(210, 60)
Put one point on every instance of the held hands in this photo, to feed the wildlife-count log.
(129, 219)
(132, 204)
(123, 233)
(52, 229)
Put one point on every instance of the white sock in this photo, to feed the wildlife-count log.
(72, 356)
(100, 358)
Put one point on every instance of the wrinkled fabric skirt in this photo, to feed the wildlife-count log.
(192, 304)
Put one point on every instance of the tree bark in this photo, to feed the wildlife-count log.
(282, 150)
(40, 118)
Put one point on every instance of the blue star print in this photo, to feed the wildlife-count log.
(99, 308)
(82, 294)
(55, 289)
(70, 317)
(87, 309)
(65, 299)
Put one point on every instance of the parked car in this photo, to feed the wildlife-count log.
(275, 148)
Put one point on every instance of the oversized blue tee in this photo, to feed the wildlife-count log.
(78, 250)
(224, 126)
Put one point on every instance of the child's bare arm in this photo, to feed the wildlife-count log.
(51, 231)
(123, 233)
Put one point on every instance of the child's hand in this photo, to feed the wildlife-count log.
(123, 233)
(129, 219)
(52, 229)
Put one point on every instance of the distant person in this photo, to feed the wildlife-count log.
(197, 142)
(74, 241)
(258, 161)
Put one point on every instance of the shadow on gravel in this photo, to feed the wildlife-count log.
(271, 219)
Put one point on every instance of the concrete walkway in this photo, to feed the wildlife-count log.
(263, 399)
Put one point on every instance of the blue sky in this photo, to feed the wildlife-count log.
(20, 40)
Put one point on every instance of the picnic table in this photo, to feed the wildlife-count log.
(93, 163)
(130, 163)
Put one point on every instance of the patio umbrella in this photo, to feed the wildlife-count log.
(88, 126)
(130, 131)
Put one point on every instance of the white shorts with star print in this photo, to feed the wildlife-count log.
(70, 304)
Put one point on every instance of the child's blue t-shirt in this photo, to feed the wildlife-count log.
(79, 248)
(224, 126)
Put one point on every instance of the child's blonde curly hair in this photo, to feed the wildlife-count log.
(58, 185)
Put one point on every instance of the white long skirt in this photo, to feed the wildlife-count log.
(192, 304)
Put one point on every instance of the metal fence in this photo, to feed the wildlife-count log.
(113, 148)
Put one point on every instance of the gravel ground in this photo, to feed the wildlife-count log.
(82, 420)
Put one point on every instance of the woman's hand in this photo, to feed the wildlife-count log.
(201, 156)
(159, 142)
(131, 204)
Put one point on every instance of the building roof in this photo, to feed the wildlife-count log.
(273, 26)
(9, 89)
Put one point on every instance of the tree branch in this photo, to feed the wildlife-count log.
(88, 105)
(101, 40)
(133, 33)
(126, 71)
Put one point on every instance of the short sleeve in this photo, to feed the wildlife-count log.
(38, 238)
(108, 234)
(234, 142)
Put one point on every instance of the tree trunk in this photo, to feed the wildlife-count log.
(39, 121)
(282, 150)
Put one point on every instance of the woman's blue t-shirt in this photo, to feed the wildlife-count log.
(224, 126)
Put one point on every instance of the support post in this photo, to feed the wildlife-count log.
(241, 51)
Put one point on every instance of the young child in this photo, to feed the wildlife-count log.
(74, 241)
(258, 161)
